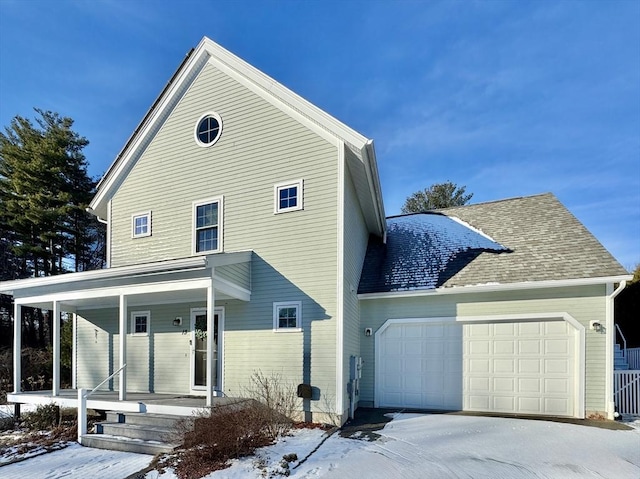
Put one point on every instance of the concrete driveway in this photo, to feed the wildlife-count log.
(457, 446)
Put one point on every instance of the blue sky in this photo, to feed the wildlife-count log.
(509, 98)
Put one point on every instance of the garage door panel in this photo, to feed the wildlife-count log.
(530, 385)
(503, 347)
(432, 369)
(529, 366)
(479, 366)
(529, 346)
(556, 386)
(529, 405)
(502, 329)
(556, 366)
(528, 329)
(538, 377)
(525, 367)
(504, 385)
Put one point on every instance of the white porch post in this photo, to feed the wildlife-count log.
(123, 347)
(211, 298)
(56, 349)
(74, 353)
(17, 346)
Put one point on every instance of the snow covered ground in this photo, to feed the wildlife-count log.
(411, 446)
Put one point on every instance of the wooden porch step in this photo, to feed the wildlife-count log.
(135, 431)
(144, 419)
(143, 433)
(127, 444)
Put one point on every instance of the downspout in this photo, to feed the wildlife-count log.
(610, 332)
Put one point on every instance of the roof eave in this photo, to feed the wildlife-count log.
(486, 288)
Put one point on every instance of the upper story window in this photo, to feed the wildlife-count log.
(207, 226)
(141, 225)
(287, 316)
(288, 196)
(140, 322)
(208, 129)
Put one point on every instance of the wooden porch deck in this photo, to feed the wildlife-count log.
(177, 404)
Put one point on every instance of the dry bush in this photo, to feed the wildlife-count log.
(278, 396)
(46, 416)
(227, 432)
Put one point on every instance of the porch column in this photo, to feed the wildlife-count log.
(211, 298)
(17, 346)
(74, 353)
(123, 347)
(56, 349)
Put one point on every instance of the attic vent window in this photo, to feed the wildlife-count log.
(208, 129)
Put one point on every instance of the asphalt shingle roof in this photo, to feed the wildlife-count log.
(516, 240)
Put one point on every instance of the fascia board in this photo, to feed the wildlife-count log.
(8, 287)
(486, 288)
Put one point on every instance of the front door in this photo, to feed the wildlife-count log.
(199, 338)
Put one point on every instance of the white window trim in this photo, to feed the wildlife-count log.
(194, 236)
(133, 224)
(195, 129)
(147, 314)
(287, 304)
(288, 184)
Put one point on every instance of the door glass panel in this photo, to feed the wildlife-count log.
(200, 350)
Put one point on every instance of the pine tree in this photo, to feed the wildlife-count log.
(438, 195)
(44, 190)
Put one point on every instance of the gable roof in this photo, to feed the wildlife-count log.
(527, 239)
(208, 52)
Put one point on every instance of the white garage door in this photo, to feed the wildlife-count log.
(420, 366)
(520, 367)
(511, 367)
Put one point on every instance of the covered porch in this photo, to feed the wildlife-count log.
(202, 280)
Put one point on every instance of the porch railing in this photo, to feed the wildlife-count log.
(626, 391)
(633, 358)
(82, 405)
(624, 342)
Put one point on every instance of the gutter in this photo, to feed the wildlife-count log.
(610, 337)
(371, 169)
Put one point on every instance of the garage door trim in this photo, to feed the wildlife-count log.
(579, 373)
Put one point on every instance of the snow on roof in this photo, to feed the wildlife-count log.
(422, 251)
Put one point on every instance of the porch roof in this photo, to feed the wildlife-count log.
(148, 283)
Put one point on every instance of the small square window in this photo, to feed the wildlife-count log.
(287, 316)
(140, 323)
(288, 196)
(141, 225)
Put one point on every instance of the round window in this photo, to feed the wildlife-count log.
(208, 129)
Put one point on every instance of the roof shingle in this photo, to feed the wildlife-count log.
(539, 238)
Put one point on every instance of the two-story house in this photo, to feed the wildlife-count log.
(246, 232)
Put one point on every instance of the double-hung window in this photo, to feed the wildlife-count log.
(207, 226)
(287, 316)
(288, 196)
(141, 225)
(140, 323)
